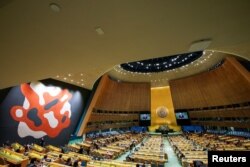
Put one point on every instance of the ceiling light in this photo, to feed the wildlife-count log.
(99, 31)
(65, 78)
(69, 75)
(82, 80)
(57, 76)
(81, 74)
(72, 80)
(200, 45)
(55, 7)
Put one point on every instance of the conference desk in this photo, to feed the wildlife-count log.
(117, 148)
(16, 146)
(152, 150)
(74, 147)
(55, 155)
(146, 158)
(103, 153)
(37, 148)
(54, 164)
(247, 145)
(53, 148)
(112, 163)
(149, 154)
(84, 145)
(82, 157)
(189, 162)
(37, 155)
(14, 158)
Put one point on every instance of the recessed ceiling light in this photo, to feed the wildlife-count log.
(81, 74)
(69, 75)
(55, 7)
(72, 80)
(65, 78)
(81, 79)
(57, 76)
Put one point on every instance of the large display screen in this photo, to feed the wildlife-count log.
(181, 115)
(144, 117)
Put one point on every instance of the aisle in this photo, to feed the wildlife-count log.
(172, 158)
(123, 157)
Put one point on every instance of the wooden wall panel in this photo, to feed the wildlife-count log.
(111, 95)
(238, 113)
(113, 117)
(228, 84)
(97, 128)
(222, 124)
(102, 84)
(124, 96)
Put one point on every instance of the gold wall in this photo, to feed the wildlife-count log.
(161, 96)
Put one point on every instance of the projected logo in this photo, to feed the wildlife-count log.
(45, 111)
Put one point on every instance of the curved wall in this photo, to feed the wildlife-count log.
(228, 84)
(124, 96)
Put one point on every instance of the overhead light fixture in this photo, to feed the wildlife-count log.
(99, 31)
(55, 7)
(200, 45)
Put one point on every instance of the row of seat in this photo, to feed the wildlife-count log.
(220, 142)
(187, 151)
(150, 152)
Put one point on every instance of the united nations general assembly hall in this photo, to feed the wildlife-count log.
(124, 83)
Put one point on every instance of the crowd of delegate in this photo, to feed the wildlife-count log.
(93, 152)
(193, 148)
(139, 149)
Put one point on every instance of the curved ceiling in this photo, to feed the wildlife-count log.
(37, 42)
(207, 61)
(161, 64)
